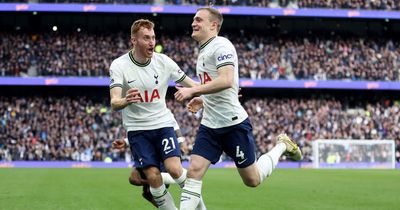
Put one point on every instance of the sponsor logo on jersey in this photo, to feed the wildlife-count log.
(205, 78)
(130, 81)
(148, 97)
(224, 57)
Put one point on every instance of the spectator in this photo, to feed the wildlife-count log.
(51, 128)
(259, 57)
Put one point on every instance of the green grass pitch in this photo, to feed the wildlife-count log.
(291, 189)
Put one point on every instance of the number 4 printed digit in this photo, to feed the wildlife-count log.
(239, 153)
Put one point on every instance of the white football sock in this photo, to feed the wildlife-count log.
(201, 205)
(167, 179)
(267, 162)
(163, 198)
(191, 194)
(181, 180)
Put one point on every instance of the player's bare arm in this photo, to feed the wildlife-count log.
(222, 82)
(188, 82)
(118, 102)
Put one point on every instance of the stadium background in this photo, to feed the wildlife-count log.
(324, 76)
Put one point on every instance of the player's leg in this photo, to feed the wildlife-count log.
(267, 162)
(240, 147)
(191, 194)
(145, 155)
(206, 150)
(238, 143)
(167, 179)
(158, 190)
(138, 178)
(170, 154)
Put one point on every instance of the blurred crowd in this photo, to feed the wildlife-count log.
(82, 129)
(260, 57)
(336, 4)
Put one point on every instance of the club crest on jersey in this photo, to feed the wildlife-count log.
(147, 98)
(156, 77)
(223, 57)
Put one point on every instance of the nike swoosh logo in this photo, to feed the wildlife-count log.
(167, 152)
(131, 81)
(240, 162)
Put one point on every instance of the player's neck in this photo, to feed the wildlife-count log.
(207, 38)
(139, 57)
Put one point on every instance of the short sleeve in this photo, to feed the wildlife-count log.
(224, 56)
(177, 74)
(116, 76)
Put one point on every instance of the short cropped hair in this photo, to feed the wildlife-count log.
(215, 15)
(139, 24)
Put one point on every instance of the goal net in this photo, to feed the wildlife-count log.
(353, 154)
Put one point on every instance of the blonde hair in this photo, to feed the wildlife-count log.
(139, 24)
(215, 15)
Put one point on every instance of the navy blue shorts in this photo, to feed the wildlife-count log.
(236, 141)
(152, 147)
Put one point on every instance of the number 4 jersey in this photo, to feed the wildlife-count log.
(151, 78)
(221, 109)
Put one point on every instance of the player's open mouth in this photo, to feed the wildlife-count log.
(150, 50)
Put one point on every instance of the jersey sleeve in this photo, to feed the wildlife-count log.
(116, 77)
(177, 74)
(224, 56)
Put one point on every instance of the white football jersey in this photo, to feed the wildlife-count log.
(151, 78)
(221, 109)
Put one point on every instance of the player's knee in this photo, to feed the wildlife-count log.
(175, 171)
(195, 172)
(251, 182)
(153, 175)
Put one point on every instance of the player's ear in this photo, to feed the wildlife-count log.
(214, 25)
(133, 40)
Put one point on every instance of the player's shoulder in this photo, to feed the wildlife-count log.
(159, 56)
(121, 60)
(220, 40)
(162, 58)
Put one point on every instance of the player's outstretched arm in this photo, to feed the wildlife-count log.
(222, 82)
(189, 82)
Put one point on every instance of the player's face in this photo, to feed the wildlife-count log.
(144, 42)
(201, 25)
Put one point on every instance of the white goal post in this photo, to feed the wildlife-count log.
(353, 153)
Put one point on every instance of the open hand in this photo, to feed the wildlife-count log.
(195, 104)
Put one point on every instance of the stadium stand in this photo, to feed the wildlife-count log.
(81, 129)
(260, 57)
